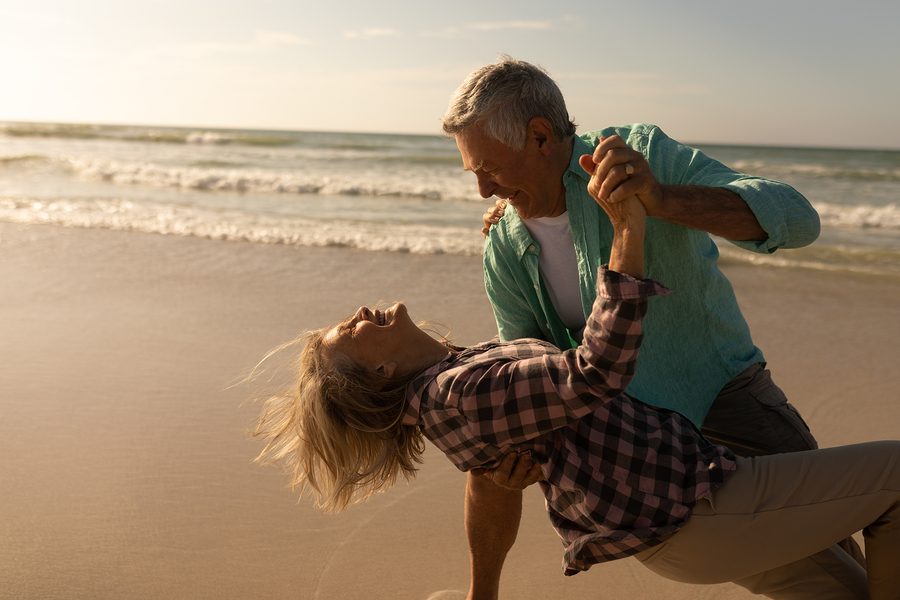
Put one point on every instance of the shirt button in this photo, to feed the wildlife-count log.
(536, 287)
(531, 248)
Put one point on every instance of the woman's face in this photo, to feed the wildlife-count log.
(387, 342)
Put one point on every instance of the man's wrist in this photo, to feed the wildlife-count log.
(661, 205)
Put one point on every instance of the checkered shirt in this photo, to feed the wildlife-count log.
(621, 476)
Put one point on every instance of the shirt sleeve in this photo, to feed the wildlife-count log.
(512, 401)
(786, 215)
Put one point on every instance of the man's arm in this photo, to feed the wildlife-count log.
(493, 510)
(715, 210)
(492, 515)
(625, 172)
(786, 218)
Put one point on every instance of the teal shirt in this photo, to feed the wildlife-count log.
(696, 340)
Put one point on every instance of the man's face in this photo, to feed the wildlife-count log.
(526, 178)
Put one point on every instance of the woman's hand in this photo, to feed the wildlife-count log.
(622, 172)
(493, 215)
(628, 216)
(624, 213)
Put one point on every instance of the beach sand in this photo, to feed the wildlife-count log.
(127, 473)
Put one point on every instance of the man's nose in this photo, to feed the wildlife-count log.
(486, 186)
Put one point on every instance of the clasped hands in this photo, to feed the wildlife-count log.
(617, 173)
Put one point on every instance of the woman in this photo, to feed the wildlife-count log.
(620, 477)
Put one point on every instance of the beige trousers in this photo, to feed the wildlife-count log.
(762, 527)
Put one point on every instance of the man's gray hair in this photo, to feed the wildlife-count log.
(503, 98)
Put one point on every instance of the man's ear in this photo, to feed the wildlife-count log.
(386, 369)
(541, 131)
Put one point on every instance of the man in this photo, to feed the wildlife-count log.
(513, 132)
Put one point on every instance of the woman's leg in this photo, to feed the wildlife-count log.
(752, 417)
(760, 528)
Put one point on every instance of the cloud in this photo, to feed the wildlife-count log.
(448, 33)
(262, 41)
(458, 32)
(370, 32)
(279, 38)
(527, 25)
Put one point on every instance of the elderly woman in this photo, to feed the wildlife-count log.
(620, 478)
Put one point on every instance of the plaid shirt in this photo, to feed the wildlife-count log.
(621, 476)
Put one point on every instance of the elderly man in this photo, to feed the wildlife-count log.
(513, 132)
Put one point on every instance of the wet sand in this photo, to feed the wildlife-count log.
(126, 471)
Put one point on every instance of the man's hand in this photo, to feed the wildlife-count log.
(515, 472)
(626, 213)
(623, 172)
(493, 215)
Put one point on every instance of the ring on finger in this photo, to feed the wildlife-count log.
(629, 170)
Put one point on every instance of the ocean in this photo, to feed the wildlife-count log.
(375, 192)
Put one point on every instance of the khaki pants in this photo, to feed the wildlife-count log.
(752, 417)
(763, 526)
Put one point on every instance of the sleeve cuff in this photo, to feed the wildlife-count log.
(611, 284)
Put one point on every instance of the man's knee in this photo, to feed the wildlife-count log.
(827, 575)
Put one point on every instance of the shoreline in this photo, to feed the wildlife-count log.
(129, 473)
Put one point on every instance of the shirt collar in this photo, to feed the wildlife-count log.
(579, 148)
(416, 389)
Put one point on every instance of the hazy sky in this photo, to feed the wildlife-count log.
(778, 72)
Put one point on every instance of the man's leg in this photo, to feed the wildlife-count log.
(803, 501)
(752, 417)
(492, 516)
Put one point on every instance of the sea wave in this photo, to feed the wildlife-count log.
(820, 257)
(780, 170)
(126, 215)
(162, 135)
(217, 176)
(859, 216)
(394, 147)
(206, 177)
(166, 219)
(20, 160)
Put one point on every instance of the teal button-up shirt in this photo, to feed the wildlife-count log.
(696, 340)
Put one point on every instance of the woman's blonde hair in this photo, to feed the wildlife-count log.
(337, 429)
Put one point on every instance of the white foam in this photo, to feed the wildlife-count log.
(125, 215)
(372, 181)
(860, 216)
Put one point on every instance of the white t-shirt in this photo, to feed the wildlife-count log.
(559, 269)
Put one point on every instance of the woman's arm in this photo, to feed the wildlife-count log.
(628, 218)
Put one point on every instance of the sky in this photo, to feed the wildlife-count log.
(766, 72)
